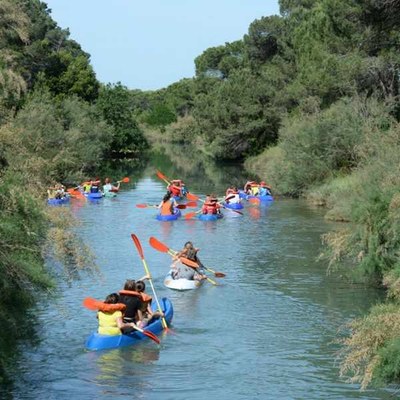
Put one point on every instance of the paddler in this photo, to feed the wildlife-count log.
(109, 187)
(167, 205)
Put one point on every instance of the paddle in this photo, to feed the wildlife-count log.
(146, 268)
(163, 177)
(76, 193)
(93, 304)
(156, 244)
(180, 206)
(192, 197)
(192, 214)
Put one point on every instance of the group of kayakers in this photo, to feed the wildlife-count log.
(127, 310)
(257, 189)
(94, 185)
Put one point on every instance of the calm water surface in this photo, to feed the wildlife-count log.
(267, 332)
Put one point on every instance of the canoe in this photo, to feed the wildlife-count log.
(234, 206)
(58, 202)
(94, 196)
(102, 342)
(181, 284)
(261, 198)
(172, 217)
(210, 217)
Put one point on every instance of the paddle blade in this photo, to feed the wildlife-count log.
(188, 262)
(138, 245)
(161, 176)
(181, 206)
(152, 336)
(192, 197)
(141, 205)
(125, 180)
(191, 204)
(91, 303)
(156, 244)
(219, 275)
(190, 215)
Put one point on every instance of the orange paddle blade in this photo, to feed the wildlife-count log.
(156, 244)
(190, 215)
(219, 274)
(151, 336)
(188, 262)
(141, 205)
(91, 303)
(138, 245)
(191, 204)
(125, 180)
(161, 176)
(191, 196)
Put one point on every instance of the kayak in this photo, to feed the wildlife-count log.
(173, 217)
(234, 206)
(261, 198)
(57, 202)
(97, 341)
(180, 284)
(94, 196)
(210, 217)
(110, 194)
(242, 194)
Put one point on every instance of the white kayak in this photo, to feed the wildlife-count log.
(181, 284)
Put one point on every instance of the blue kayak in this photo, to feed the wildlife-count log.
(261, 198)
(58, 202)
(94, 196)
(102, 342)
(210, 217)
(234, 206)
(173, 217)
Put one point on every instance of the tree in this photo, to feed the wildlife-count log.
(115, 104)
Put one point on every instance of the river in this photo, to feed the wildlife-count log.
(268, 331)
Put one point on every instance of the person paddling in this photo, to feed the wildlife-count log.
(147, 313)
(264, 190)
(210, 205)
(132, 299)
(167, 205)
(109, 187)
(233, 196)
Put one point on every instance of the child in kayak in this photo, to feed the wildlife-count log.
(265, 190)
(110, 318)
(147, 313)
(190, 252)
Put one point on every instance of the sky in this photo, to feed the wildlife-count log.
(150, 44)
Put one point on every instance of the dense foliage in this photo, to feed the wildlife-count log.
(57, 124)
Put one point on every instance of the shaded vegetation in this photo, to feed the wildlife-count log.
(57, 124)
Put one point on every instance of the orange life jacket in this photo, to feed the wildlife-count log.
(210, 208)
(166, 208)
(175, 190)
(104, 307)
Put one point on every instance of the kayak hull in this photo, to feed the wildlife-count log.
(181, 284)
(110, 194)
(261, 198)
(94, 196)
(58, 202)
(172, 217)
(234, 206)
(210, 217)
(103, 342)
